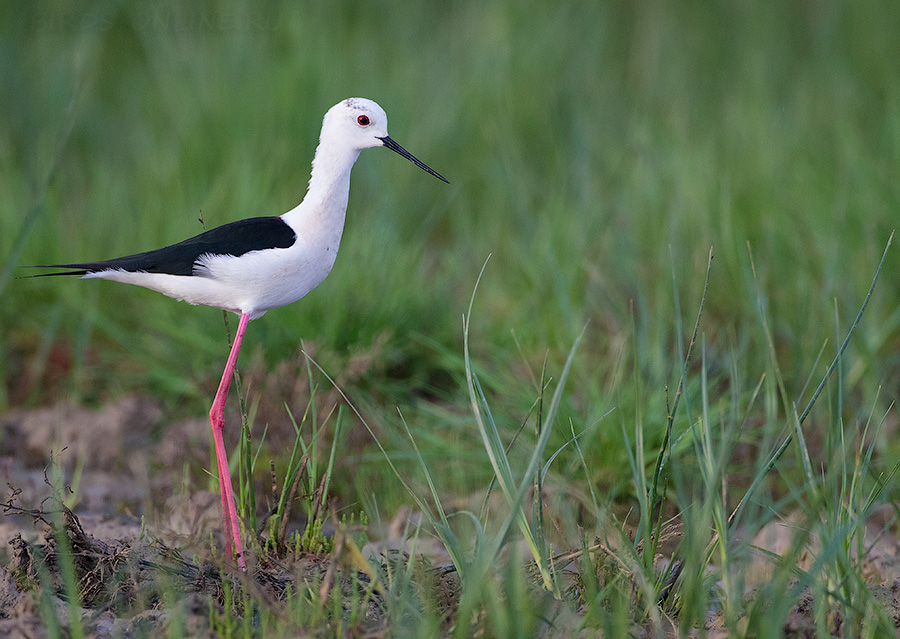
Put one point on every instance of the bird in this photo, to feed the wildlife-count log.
(253, 265)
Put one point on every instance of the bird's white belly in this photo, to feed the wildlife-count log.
(262, 280)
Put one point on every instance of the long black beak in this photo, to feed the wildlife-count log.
(393, 146)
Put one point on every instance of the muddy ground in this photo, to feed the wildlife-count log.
(141, 523)
(135, 510)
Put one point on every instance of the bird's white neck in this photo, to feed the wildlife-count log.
(325, 204)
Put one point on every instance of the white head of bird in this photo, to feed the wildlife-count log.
(356, 123)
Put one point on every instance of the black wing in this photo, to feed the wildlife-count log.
(235, 238)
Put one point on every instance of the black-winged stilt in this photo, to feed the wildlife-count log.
(253, 265)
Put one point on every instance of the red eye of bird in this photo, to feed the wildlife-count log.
(363, 120)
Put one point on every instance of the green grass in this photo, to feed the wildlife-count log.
(596, 151)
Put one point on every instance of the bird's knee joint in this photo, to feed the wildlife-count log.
(216, 420)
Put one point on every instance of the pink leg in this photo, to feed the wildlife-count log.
(217, 421)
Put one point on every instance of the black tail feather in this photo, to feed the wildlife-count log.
(81, 270)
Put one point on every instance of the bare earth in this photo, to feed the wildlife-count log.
(122, 468)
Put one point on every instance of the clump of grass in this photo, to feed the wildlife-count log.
(305, 481)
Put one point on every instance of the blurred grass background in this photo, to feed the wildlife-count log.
(595, 149)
